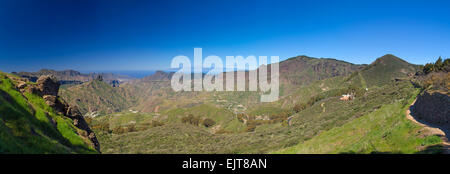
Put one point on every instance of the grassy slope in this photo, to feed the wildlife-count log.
(27, 125)
(324, 115)
(305, 125)
(385, 130)
(221, 116)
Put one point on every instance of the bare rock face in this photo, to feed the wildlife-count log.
(433, 108)
(45, 85)
(50, 100)
(78, 120)
(48, 85)
(21, 85)
(73, 112)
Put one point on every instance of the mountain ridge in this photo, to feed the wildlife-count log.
(71, 76)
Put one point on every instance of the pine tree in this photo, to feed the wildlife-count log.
(428, 68)
(438, 65)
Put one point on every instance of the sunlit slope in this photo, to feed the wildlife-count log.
(386, 69)
(29, 125)
(386, 130)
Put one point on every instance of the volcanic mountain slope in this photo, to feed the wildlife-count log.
(294, 72)
(153, 93)
(310, 117)
(34, 119)
(387, 68)
(388, 128)
(262, 128)
(303, 70)
(98, 97)
(231, 134)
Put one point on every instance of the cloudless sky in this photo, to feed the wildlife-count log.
(106, 35)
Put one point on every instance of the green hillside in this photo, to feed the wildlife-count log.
(146, 116)
(29, 125)
(325, 114)
(386, 130)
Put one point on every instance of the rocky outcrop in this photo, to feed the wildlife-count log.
(47, 87)
(433, 107)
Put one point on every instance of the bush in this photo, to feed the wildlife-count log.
(131, 128)
(223, 131)
(156, 123)
(241, 117)
(88, 120)
(191, 119)
(250, 128)
(118, 130)
(124, 129)
(299, 107)
(207, 122)
(103, 127)
(437, 81)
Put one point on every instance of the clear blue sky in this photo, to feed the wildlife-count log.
(145, 35)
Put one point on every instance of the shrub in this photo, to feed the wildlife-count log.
(102, 127)
(299, 107)
(124, 129)
(207, 122)
(241, 117)
(88, 120)
(191, 119)
(131, 128)
(223, 131)
(250, 128)
(118, 130)
(156, 123)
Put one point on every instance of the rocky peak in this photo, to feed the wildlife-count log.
(48, 85)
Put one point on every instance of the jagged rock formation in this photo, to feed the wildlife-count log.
(47, 87)
(433, 107)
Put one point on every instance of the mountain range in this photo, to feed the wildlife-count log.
(325, 106)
